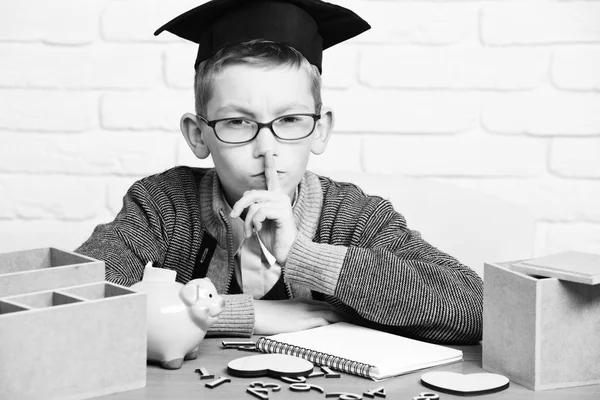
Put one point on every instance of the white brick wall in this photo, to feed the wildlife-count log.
(501, 96)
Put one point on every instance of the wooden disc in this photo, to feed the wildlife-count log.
(274, 365)
(464, 385)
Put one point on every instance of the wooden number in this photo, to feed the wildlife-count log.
(293, 379)
(329, 372)
(217, 382)
(204, 374)
(379, 392)
(344, 396)
(273, 386)
(262, 394)
(427, 396)
(303, 387)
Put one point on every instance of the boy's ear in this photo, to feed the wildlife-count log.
(322, 131)
(192, 130)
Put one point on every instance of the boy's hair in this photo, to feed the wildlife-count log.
(261, 53)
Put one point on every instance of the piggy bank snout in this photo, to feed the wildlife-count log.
(217, 307)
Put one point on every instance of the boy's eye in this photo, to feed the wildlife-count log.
(290, 119)
(237, 122)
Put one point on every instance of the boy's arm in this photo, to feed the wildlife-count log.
(387, 274)
(237, 319)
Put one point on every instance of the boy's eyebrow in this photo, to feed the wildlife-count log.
(235, 108)
(293, 106)
(242, 110)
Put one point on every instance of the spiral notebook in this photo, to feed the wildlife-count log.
(360, 351)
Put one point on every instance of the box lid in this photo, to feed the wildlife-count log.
(571, 266)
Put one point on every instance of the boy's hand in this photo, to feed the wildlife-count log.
(279, 316)
(269, 213)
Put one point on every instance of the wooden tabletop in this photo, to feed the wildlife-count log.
(186, 384)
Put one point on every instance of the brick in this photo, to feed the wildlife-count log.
(578, 237)
(157, 109)
(452, 68)
(343, 153)
(53, 197)
(6, 211)
(136, 20)
(90, 67)
(71, 22)
(549, 198)
(576, 68)
(179, 65)
(460, 155)
(340, 67)
(540, 23)
(437, 23)
(33, 234)
(52, 111)
(395, 111)
(575, 157)
(93, 153)
(543, 112)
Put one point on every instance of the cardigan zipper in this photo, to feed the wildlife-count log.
(230, 255)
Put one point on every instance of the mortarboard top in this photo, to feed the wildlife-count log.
(309, 26)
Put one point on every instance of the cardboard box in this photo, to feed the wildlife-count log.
(542, 333)
(74, 341)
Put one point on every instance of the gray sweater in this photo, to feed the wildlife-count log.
(353, 251)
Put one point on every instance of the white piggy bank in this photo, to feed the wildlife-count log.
(178, 315)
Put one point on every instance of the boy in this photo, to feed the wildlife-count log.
(291, 250)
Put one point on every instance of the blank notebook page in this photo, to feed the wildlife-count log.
(390, 354)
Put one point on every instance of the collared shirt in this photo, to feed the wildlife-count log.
(256, 269)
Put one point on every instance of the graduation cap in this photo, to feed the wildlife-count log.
(309, 26)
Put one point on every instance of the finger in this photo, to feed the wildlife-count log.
(315, 322)
(271, 177)
(258, 213)
(255, 196)
(332, 316)
(249, 220)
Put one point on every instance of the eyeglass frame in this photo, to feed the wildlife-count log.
(260, 125)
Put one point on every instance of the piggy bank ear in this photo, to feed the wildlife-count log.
(190, 294)
(195, 290)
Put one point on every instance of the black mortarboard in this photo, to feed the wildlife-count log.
(309, 26)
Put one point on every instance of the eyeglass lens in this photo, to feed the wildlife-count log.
(290, 127)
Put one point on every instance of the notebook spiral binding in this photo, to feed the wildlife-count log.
(338, 363)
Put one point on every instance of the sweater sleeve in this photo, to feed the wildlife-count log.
(140, 233)
(366, 258)
(136, 236)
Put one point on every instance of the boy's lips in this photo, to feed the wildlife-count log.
(262, 174)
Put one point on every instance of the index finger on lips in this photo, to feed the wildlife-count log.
(271, 177)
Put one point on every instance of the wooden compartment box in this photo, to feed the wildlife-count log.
(542, 333)
(44, 269)
(76, 340)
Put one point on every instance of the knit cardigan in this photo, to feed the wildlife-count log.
(352, 250)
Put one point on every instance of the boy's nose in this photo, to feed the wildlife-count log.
(264, 141)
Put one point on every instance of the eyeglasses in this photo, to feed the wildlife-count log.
(242, 130)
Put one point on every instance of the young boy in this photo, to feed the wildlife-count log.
(290, 250)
